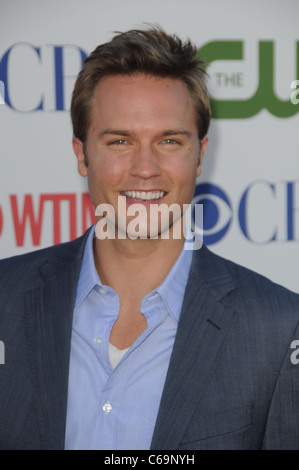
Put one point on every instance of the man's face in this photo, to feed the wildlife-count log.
(142, 142)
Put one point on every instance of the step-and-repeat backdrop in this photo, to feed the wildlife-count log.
(250, 180)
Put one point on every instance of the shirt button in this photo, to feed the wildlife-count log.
(102, 291)
(97, 341)
(107, 407)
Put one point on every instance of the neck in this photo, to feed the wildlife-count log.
(135, 266)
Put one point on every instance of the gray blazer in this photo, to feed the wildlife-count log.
(231, 383)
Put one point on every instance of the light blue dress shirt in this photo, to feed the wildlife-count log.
(116, 408)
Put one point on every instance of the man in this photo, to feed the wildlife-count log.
(125, 342)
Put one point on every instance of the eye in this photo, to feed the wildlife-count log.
(171, 141)
(118, 142)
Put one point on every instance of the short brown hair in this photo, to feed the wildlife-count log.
(152, 52)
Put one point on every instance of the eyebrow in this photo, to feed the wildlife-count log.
(126, 133)
(176, 132)
(114, 132)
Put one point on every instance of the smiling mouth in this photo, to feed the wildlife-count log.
(144, 195)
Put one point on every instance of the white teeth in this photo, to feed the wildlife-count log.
(143, 195)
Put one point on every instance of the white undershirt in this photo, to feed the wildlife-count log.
(116, 354)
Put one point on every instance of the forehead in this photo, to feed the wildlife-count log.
(141, 98)
(140, 82)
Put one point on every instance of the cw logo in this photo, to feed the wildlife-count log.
(264, 97)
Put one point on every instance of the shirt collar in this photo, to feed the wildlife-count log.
(89, 277)
(171, 290)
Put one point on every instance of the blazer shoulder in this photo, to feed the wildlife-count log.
(23, 269)
(244, 287)
(254, 283)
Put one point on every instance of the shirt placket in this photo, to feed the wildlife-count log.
(111, 401)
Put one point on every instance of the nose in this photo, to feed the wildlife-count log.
(145, 163)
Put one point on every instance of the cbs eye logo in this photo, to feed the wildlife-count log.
(217, 211)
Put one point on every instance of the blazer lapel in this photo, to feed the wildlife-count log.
(202, 331)
(48, 320)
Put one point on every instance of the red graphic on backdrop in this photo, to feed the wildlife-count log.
(25, 216)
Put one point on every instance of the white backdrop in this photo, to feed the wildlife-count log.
(250, 180)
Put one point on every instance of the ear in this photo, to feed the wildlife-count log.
(79, 152)
(203, 146)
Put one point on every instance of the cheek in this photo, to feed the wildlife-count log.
(107, 170)
(104, 177)
(184, 173)
(187, 181)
